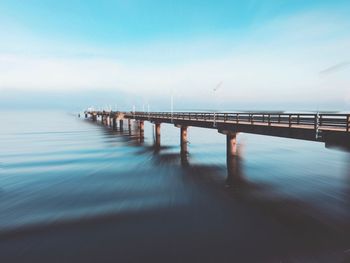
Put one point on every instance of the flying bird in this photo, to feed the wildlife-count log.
(218, 86)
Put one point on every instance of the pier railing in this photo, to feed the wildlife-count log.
(336, 122)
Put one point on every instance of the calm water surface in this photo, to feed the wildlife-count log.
(76, 191)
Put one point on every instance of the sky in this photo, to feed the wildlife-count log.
(224, 55)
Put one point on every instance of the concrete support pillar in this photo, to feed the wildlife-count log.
(94, 117)
(129, 126)
(142, 129)
(183, 139)
(86, 115)
(114, 123)
(232, 159)
(231, 144)
(157, 132)
(107, 120)
(121, 124)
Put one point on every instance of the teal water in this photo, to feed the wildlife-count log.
(75, 191)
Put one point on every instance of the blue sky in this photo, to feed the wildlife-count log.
(261, 51)
(114, 22)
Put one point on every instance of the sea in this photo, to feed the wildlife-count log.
(73, 190)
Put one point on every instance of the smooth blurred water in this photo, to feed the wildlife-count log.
(59, 170)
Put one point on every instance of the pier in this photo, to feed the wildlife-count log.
(331, 129)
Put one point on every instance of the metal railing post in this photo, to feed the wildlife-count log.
(316, 125)
(214, 120)
(290, 120)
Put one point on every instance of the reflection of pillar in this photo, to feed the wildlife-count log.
(121, 124)
(114, 123)
(232, 159)
(142, 129)
(184, 159)
(157, 130)
(183, 139)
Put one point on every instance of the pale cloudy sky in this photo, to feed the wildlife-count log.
(267, 54)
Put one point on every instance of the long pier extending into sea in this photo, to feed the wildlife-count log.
(331, 129)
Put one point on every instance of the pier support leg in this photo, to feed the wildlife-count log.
(231, 144)
(157, 132)
(142, 129)
(183, 139)
(86, 115)
(129, 125)
(121, 124)
(94, 117)
(114, 123)
(232, 160)
(183, 144)
(107, 120)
